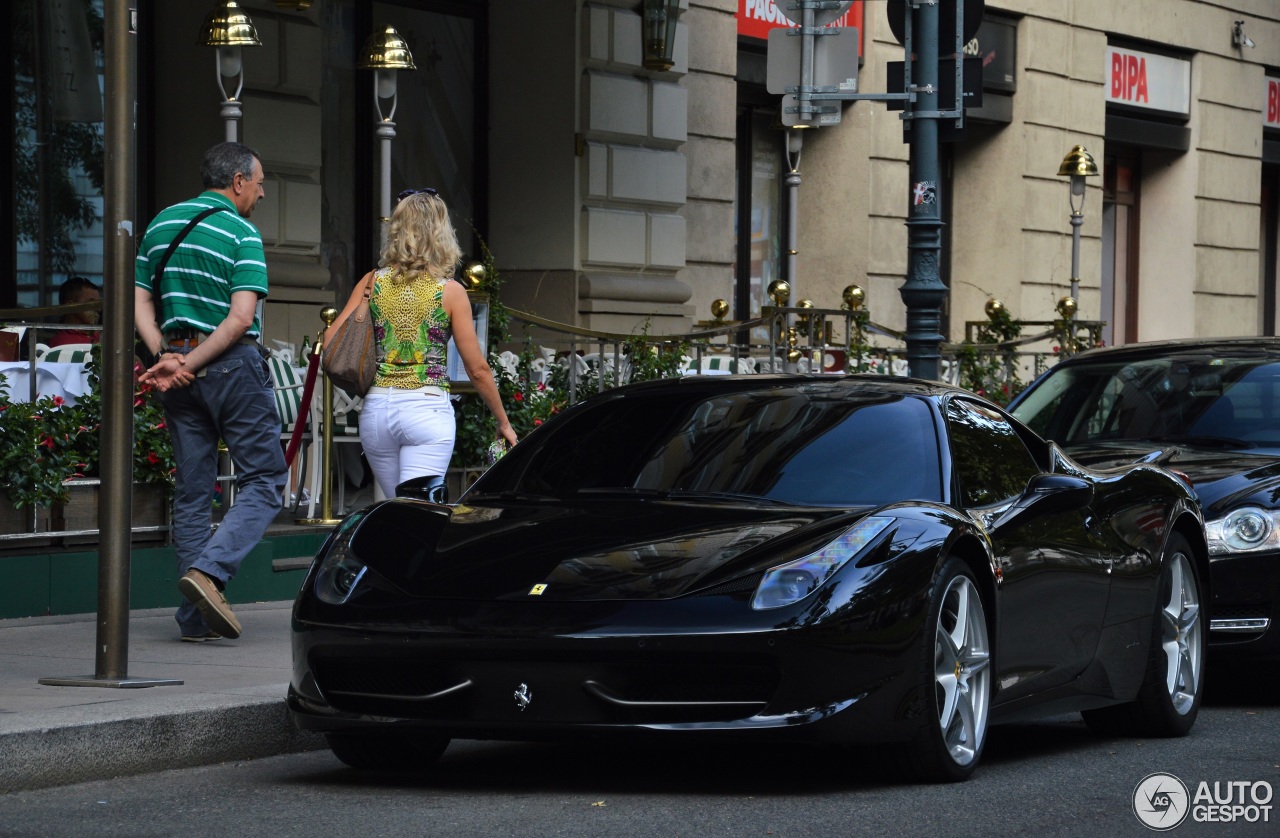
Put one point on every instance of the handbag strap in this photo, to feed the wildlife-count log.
(362, 310)
(164, 261)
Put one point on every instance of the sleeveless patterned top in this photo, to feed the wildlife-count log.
(411, 328)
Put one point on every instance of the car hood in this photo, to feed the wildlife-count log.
(1222, 479)
(592, 550)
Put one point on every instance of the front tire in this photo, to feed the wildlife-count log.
(956, 680)
(1169, 699)
(381, 752)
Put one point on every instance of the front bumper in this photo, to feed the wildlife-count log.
(1244, 616)
(532, 682)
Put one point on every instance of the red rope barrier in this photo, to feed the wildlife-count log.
(304, 410)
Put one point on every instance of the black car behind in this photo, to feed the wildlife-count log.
(1209, 409)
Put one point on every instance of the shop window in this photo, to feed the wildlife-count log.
(56, 153)
(1269, 238)
(759, 223)
(1121, 176)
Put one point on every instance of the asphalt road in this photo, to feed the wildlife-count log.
(1050, 778)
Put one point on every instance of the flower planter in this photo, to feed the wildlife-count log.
(14, 521)
(149, 516)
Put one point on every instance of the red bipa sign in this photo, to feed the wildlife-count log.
(757, 17)
(1271, 109)
(1148, 81)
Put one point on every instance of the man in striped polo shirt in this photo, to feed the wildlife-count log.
(202, 261)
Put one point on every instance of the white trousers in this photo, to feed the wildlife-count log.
(406, 434)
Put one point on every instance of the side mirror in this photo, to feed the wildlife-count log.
(430, 488)
(1048, 494)
(1058, 492)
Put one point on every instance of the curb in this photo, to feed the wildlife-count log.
(42, 757)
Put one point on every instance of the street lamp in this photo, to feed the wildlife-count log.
(385, 52)
(659, 26)
(227, 29)
(1077, 165)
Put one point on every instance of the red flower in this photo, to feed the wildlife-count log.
(518, 396)
(537, 422)
(58, 401)
(47, 442)
(152, 458)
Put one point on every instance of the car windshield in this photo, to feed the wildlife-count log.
(1231, 402)
(810, 444)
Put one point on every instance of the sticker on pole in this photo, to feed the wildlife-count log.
(924, 192)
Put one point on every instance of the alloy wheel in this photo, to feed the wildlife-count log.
(1180, 635)
(962, 672)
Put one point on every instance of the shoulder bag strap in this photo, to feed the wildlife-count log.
(164, 261)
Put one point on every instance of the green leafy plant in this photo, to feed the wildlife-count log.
(988, 365)
(46, 442)
(153, 459)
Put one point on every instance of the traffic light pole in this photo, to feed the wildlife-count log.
(924, 292)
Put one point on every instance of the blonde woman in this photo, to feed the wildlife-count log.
(407, 426)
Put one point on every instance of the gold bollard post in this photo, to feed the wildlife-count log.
(328, 314)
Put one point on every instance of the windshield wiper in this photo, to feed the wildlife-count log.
(738, 496)
(1205, 440)
(510, 495)
(626, 491)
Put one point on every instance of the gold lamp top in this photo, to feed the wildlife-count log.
(780, 291)
(1078, 162)
(228, 26)
(474, 273)
(386, 50)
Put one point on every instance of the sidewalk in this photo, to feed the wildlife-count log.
(230, 705)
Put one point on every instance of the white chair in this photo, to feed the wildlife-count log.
(289, 383)
(67, 353)
(509, 362)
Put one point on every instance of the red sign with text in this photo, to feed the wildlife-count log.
(1271, 113)
(757, 17)
(1148, 81)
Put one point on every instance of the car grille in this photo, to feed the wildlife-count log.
(1243, 621)
(746, 583)
(606, 692)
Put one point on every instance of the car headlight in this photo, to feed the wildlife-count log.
(795, 580)
(1243, 530)
(341, 570)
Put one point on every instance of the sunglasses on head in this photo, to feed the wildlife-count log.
(405, 194)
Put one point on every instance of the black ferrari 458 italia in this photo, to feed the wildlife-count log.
(1209, 410)
(849, 559)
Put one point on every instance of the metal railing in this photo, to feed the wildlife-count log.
(786, 339)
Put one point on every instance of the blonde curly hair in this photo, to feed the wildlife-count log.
(420, 238)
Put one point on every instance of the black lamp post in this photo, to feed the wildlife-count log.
(924, 291)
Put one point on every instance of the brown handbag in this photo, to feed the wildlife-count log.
(351, 359)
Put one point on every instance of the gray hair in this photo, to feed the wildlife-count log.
(224, 161)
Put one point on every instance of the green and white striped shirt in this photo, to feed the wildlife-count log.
(222, 255)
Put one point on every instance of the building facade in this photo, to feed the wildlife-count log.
(620, 198)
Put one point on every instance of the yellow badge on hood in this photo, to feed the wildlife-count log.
(537, 590)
